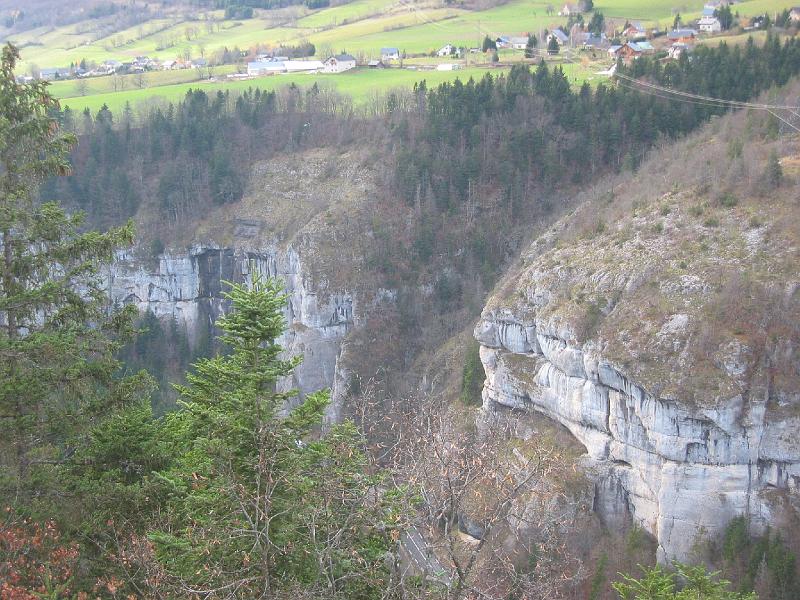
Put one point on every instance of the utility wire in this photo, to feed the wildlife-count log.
(689, 98)
(719, 101)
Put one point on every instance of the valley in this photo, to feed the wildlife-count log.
(514, 330)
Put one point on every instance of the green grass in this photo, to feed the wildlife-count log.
(413, 28)
(153, 79)
(358, 9)
(371, 25)
(362, 85)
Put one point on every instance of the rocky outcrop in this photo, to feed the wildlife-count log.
(188, 287)
(681, 474)
(661, 326)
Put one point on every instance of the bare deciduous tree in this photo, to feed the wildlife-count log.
(493, 510)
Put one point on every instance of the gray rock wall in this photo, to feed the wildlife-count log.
(188, 287)
(680, 472)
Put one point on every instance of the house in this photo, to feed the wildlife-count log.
(588, 39)
(634, 31)
(519, 42)
(682, 35)
(446, 50)
(631, 50)
(340, 63)
(709, 25)
(570, 9)
(168, 65)
(448, 67)
(51, 74)
(794, 14)
(561, 37)
(677, 49)
(376, 64)
(390, 54)
(503, 42)
(200, 63)
(265, 67)
(642, 46)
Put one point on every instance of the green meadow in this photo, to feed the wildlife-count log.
(360, 27)
(152, 79)
(362, 84)
(352, 11)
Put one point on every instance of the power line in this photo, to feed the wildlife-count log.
(719, 101)
(689, 98)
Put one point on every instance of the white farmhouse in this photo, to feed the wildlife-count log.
(339, 63)
(390, 54)
(446, 50)
(709, 25)
(518, 42)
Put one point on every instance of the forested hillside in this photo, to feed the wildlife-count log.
(511, 147)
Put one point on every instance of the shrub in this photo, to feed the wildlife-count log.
(472, 376)
(728, 200)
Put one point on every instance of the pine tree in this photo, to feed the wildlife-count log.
(552, 45)
(688, 583)
(597, 24)
(773, 174)
(530, 46)
(725, 16)
(258, 500)
(57, 365)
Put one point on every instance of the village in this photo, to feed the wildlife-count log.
(598, 39)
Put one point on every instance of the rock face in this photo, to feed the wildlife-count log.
(188, 287)
(663, 330)
(681, 474)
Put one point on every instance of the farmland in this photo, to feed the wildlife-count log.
(362, 85)
(360, 27)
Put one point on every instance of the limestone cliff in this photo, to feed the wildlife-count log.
(188, 287)
(301, 222)
(659, 324)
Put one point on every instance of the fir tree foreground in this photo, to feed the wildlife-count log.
(261, 504)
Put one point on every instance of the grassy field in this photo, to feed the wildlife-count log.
(363, 85)
(361, 27)
(352, 11)
(153, 79)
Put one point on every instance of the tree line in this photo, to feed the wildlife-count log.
(493, 153)
(185, 157)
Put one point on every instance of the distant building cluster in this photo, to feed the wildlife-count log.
(270, 65)
(633, 41)
(140, 64)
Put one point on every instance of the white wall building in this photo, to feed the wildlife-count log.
(340, 63)
(709, 25)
